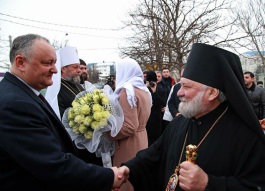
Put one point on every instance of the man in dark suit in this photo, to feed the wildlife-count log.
(36, 152)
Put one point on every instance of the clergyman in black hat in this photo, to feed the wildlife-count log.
(216, 143)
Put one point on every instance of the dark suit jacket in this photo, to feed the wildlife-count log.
(36, 152)
(173, 102)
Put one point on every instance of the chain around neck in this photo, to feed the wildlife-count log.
(69, 88)
(213, 125)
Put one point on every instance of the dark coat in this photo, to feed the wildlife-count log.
(173, 102)
(154, 123)
(36, 152)
(163, 89)
(257, 98)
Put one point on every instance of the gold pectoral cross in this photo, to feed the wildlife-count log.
(191, 153)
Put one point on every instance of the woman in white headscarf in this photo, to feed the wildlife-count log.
(135, 100)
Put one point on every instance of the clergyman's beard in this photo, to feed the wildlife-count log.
(74, 80)
(83, 78)
(191, 108)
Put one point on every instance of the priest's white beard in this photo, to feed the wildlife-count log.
(191, 108)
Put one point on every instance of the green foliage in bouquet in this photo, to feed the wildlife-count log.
(89, 112)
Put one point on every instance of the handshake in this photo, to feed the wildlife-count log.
(121, 176)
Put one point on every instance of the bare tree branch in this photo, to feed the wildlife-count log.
(164, 30)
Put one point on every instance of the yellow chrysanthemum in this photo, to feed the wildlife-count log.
(75, 103)
(71, 114)
(103, 122)
(97, 108)
(89, 97)
(105, 114)
(76, 129)
(82, 101)
(96, 91)
(97, 116)
(76, 110)
(82, 128)
(88, 134)
(85, 110)
(71, 123)
(79, 119)
(87, 121)
(95, 125)
(105, 101)
(96, 98)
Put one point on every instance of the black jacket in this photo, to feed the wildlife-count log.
(257, 98)
(36, 152)
(173, 102)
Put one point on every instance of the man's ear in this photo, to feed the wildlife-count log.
(213, 93)
(20, 63)
(63, 69)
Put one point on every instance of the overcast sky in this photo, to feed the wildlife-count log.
(89, 25)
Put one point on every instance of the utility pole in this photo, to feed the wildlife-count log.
(10, 41)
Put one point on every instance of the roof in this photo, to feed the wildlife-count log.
(253, 53)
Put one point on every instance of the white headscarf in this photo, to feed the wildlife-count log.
(129, 75)
(65, 56)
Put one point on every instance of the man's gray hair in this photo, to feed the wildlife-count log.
(23, 45)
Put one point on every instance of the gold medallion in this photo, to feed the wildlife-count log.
(191, 153)
(172, 183)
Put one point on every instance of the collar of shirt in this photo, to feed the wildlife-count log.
(34, 90)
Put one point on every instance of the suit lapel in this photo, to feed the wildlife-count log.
(58, 126)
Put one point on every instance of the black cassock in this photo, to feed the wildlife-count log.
(67, 94)
(232, 155)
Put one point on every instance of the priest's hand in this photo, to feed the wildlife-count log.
(121, 176)
(118, 178)
(262, 123)
(192, 177)
(125, 171)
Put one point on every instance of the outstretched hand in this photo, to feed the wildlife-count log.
(121, 176)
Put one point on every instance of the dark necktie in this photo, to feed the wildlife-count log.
(43, 99)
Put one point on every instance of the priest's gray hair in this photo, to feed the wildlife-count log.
(221, 97)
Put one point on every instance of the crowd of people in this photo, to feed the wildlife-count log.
(203, 132)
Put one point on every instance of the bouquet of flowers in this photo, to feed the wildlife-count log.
(94, 112)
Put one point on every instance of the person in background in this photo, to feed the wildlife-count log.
(135, 100)
(84, 75)
(111, 82)
(260, 84)
(66, 82)
(154, 123)
(171, 110)
(145, 74)
(256, 95)
(192, 152)
(36, 152)
(163, 89)
(158, 75)
(65, 88)
(173, 99)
